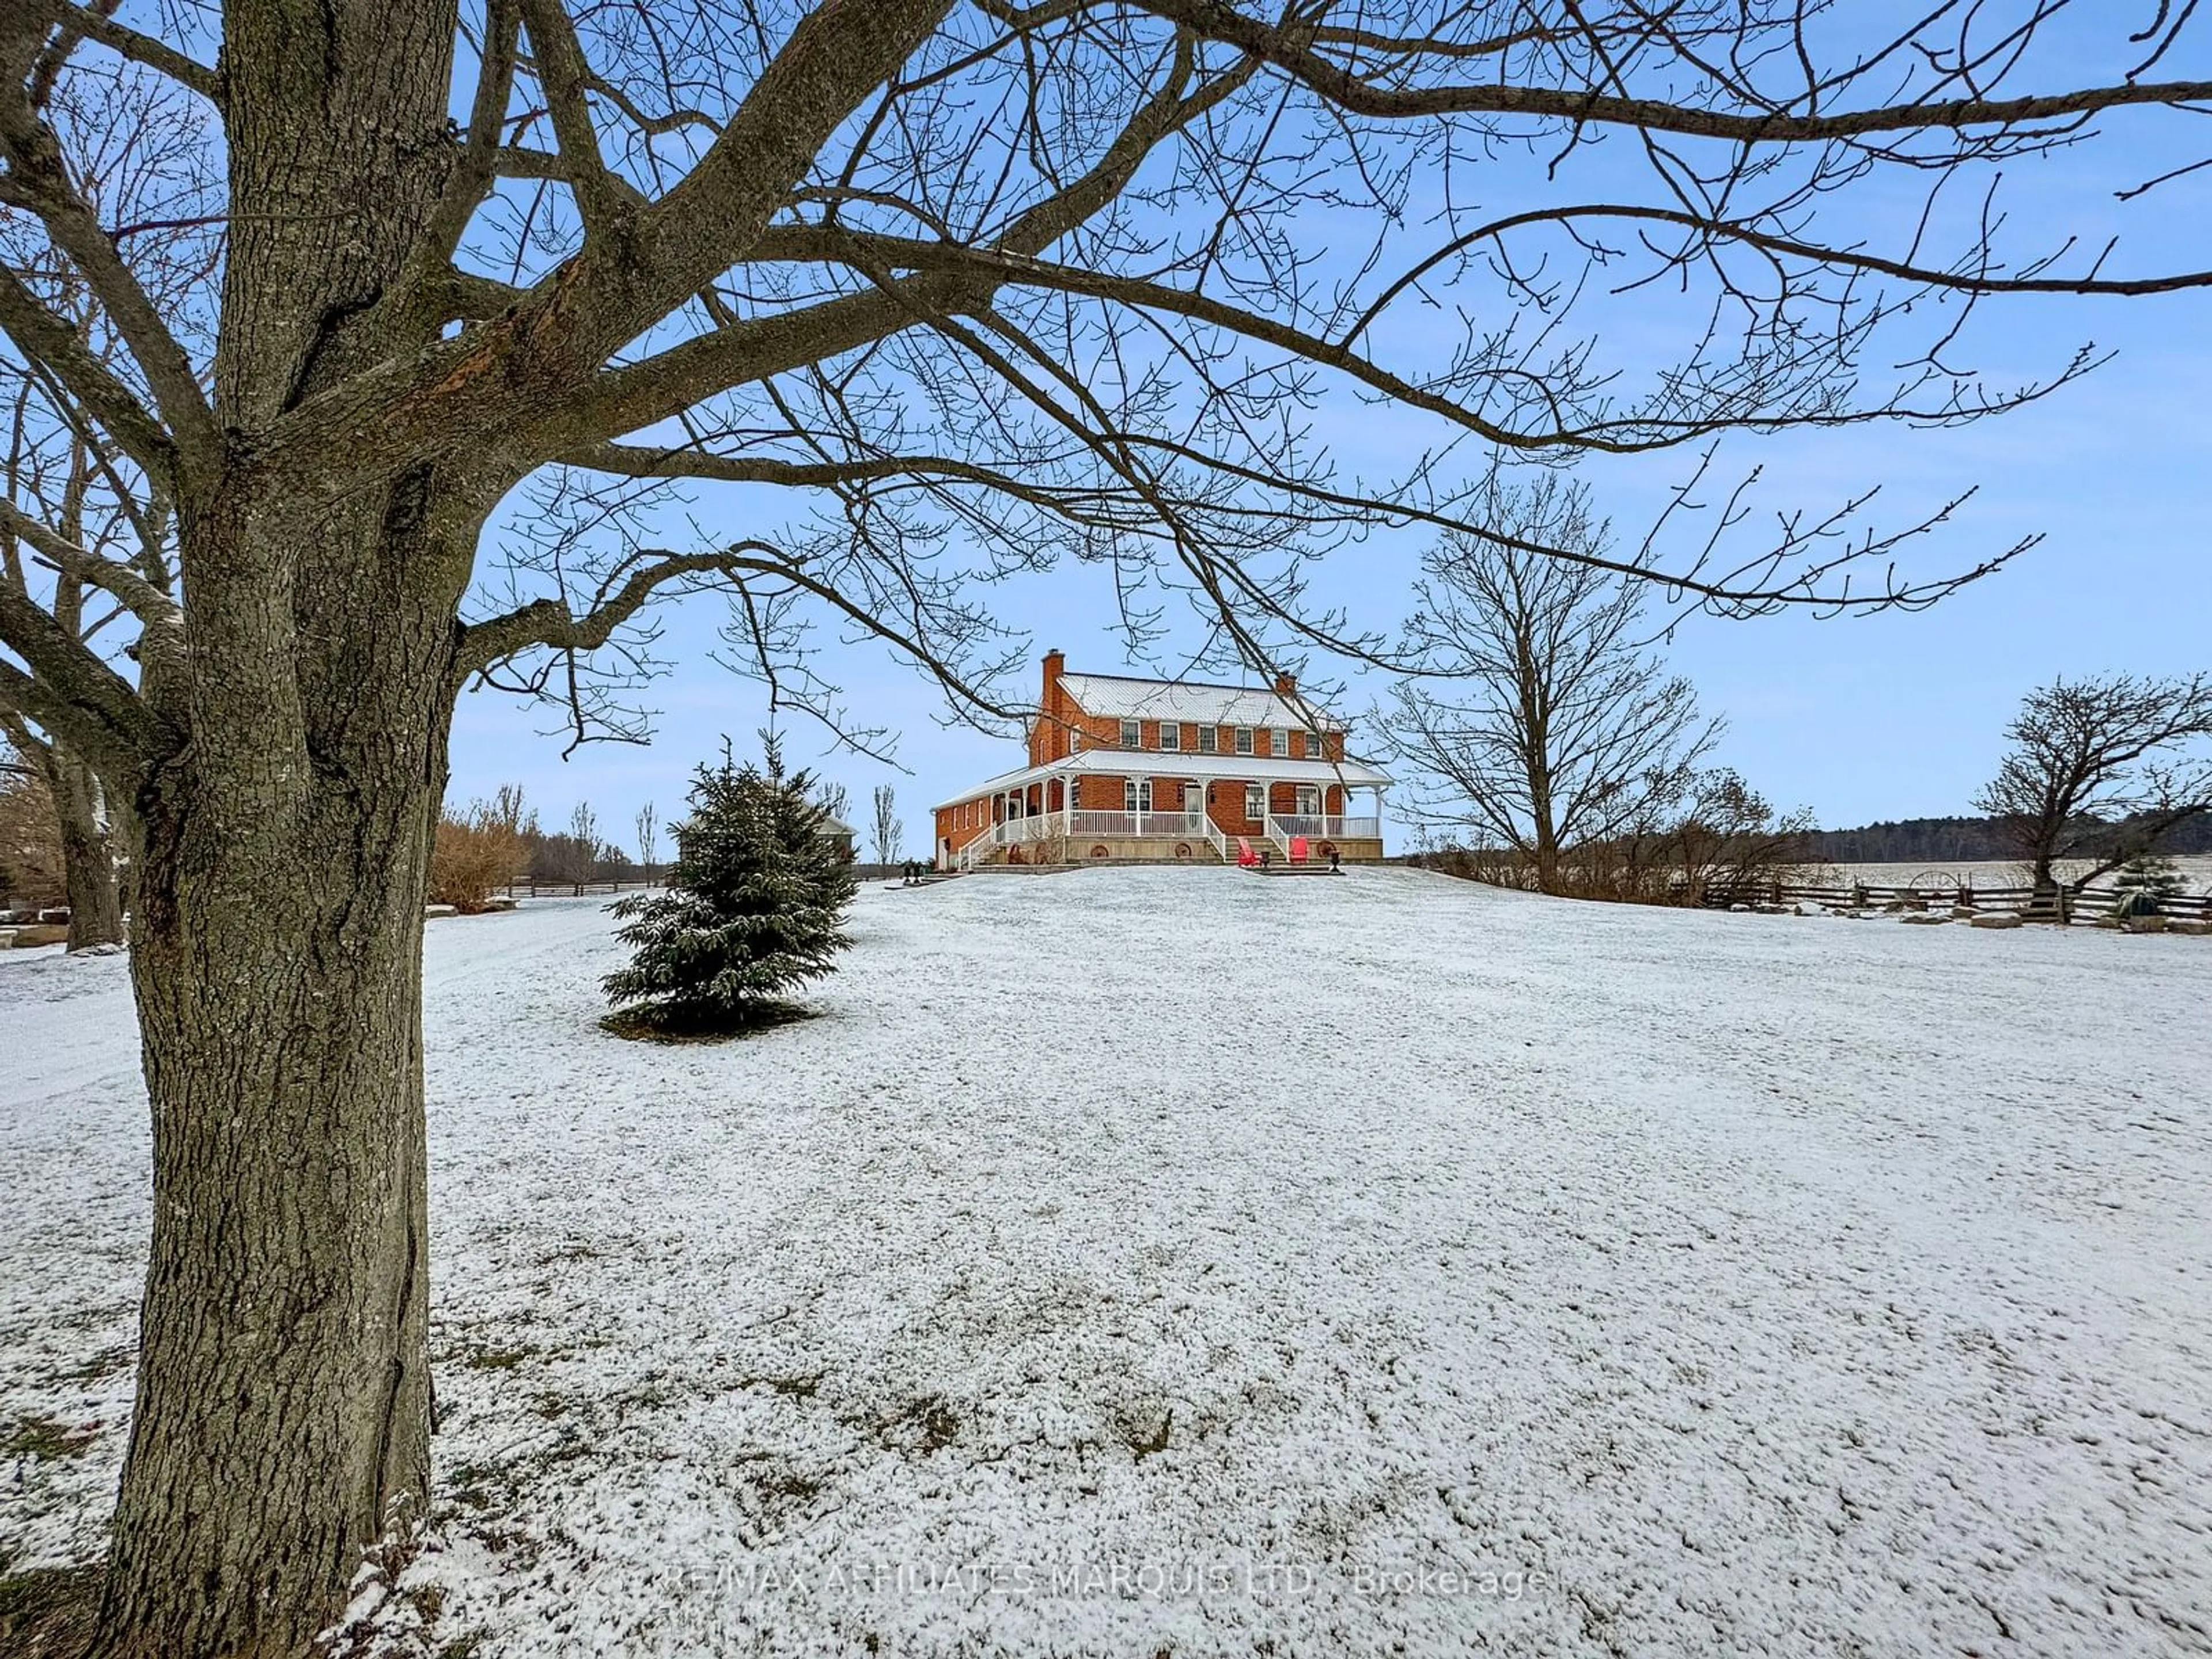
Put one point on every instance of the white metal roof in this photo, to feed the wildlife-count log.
(1158, 763)
(1119, 698)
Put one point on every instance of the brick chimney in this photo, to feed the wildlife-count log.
(1285, 684)
(1052, 712)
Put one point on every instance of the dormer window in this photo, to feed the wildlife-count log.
(1132, 735)
(1243, 739)
(1171, 735)
(1209, 740)
(1316, 749)
(1279, 742)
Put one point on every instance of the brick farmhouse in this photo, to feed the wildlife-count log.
(1136, 768)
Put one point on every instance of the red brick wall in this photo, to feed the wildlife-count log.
(1227, 809)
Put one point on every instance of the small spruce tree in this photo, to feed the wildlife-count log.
(2145, 882)
(752, 908)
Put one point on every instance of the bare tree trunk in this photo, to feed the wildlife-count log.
(95, 899)
(284, 1405)
(282, 1418)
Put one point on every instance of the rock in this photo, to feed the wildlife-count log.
(1921, 918)
(2196, 929)
(2143, 925)
(440, 910)
(1963, 913)
(1739, 909)
(1999, 919)
(108, 950)
(7, 938)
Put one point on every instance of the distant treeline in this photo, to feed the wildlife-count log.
(1942, 840)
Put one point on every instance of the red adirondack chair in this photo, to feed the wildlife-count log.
(1245, 855)
(1298, 849)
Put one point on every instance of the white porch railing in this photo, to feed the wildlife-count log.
(1331, 826)
(978, 848)
(1182, 826)
(1318, 827)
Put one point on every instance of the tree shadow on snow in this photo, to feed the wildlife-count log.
(665, 1023)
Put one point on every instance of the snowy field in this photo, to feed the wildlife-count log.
(2194, 869)
(1135, 1262)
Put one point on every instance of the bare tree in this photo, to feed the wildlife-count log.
(648, 839)
(576, 855)
(1724, 835)
(1545, 723)
(2079, 781)
(67, 491)
(584, 826)
(887, 832)
(31, 858)
(985, 289)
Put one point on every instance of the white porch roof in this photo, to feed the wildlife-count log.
(1180, 763)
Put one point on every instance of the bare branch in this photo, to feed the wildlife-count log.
(1288, 49)
(84, 23)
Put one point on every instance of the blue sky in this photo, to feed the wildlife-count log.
(1858, 718)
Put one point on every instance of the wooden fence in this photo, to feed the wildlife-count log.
(531, 887)
(2090, 905)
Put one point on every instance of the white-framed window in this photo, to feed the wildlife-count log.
(1243, 739)
(1309, 800)
(1209, 740)
(1132, 734)
(1256, 801)
(1074, 741)
(1279, 741)
(1316, 749)
(1137, 795)
(1194, 797)
(1171, 735)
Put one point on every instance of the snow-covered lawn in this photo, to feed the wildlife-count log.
(1134, 1262)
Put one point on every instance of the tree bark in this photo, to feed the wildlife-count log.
(95, 897)
(284, 1405)
(283, 829)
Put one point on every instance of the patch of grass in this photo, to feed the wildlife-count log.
(47, 1441)
(495, 1360)
(112, 1362)
(791, 1387)
(48, 1612)
(1143, 1445)
(926, 1425)
(653, 1022)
